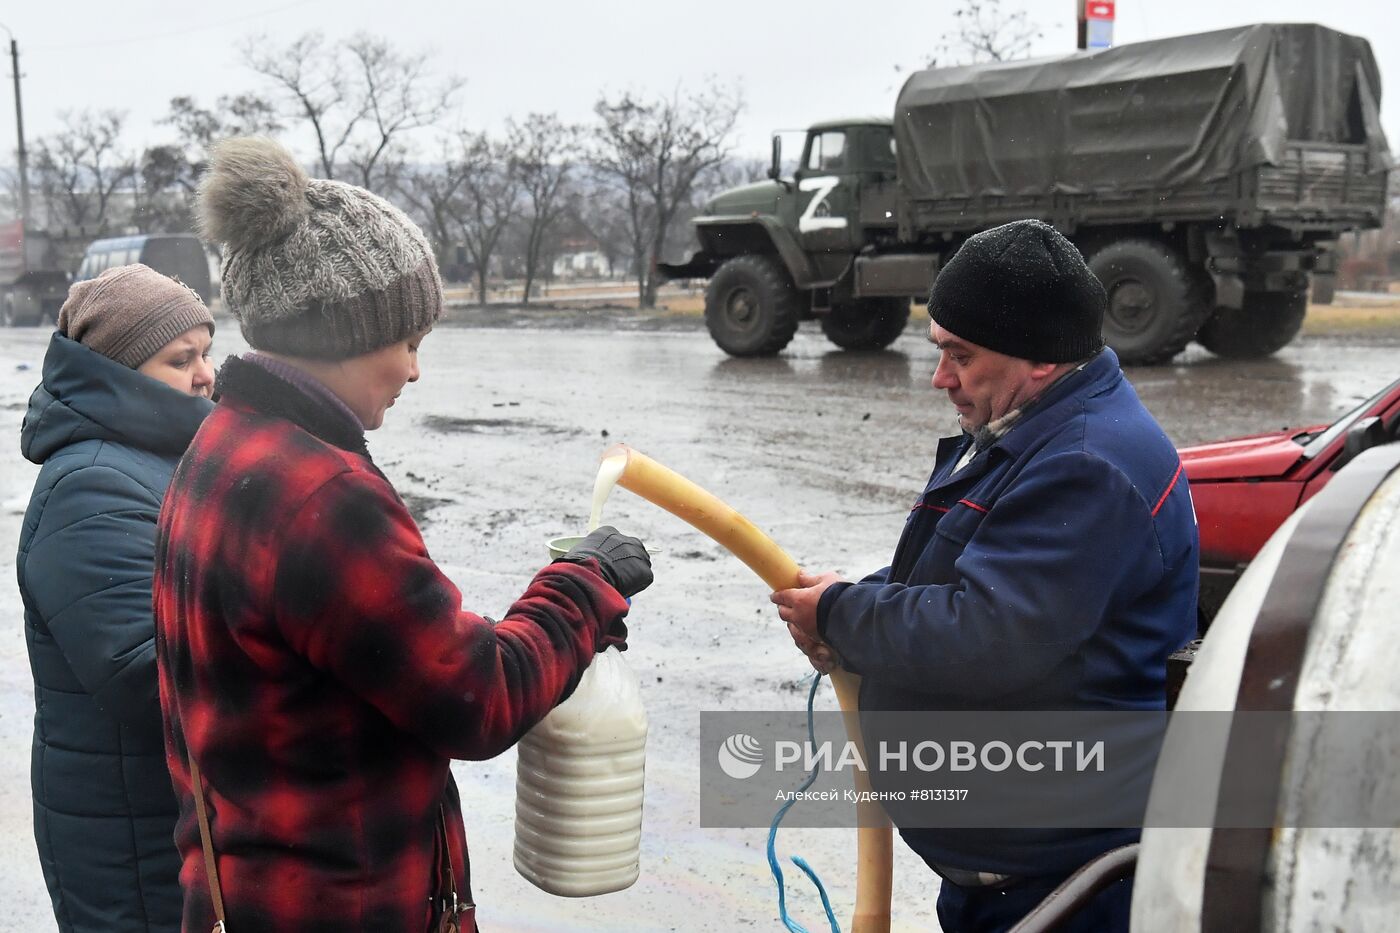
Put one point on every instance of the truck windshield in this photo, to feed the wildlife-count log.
(828, 152)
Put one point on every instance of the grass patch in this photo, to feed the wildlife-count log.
(687, 304)
(1354, 317)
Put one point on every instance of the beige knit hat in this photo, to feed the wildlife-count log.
(129, 312)
(313, 268)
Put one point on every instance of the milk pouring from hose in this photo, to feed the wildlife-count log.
(580, 774)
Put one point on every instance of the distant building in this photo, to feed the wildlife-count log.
(581, 259)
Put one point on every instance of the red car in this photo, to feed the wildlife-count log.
(1245, 488)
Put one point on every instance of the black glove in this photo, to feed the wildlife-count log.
(625, 563)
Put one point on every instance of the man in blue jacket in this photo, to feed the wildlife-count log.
(1050, 563)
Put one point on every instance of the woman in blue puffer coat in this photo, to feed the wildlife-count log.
(126, 383)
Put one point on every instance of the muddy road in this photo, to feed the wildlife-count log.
(496, 447)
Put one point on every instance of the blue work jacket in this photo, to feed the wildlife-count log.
(1057, 570)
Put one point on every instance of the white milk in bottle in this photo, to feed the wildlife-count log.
(580, 775)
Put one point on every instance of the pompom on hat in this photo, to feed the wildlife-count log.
(128, 313)
(313, 268)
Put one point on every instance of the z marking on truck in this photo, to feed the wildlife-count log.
(809, 221)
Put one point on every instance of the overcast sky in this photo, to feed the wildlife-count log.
(795, 62)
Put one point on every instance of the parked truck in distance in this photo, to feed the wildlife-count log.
(1205, 179)
(33, 275)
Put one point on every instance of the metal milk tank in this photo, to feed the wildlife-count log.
(1311, 877)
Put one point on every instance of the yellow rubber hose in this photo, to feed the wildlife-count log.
(711, 516)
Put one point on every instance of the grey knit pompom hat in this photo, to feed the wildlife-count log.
(313, 268)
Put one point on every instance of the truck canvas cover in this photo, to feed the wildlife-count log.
(1153, 115)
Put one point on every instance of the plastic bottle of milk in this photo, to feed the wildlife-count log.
(578, 786)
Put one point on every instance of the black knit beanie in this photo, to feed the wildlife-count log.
(1021, 289)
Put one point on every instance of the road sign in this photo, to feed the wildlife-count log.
(1098, 26)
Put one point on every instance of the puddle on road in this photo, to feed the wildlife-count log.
(419, 507)
(446, 424)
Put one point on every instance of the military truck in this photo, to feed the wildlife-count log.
(33, 275)
(1204, 177)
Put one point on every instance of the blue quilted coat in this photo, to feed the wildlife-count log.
(107, 439)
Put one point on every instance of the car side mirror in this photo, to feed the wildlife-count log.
(1361, 437)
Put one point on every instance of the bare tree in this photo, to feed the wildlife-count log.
(653, 151)
(166, 188)
(626, 174)
(601, 213)
(489, 201)
(396, 98)
(982, 32)
(60, 182)
(170, 173)
(82, 166)
(730, 173)
(431, 192)
(312, 77)
(198, 128)
(544, 150)
(359, 98)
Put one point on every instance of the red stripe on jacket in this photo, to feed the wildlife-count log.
(1170, 486)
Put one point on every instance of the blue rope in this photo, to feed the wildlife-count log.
(792, 925)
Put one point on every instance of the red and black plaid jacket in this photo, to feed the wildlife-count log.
(323, 672)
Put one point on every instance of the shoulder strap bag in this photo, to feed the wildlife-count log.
(454, 915)
(211, 870)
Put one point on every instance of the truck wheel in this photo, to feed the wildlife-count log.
(866, 323)
(1156, 301)
(751, 306)
(1267, 323)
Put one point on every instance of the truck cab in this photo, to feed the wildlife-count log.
(844, 165)
(806, 246)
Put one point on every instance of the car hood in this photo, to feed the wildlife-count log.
(1259, 456)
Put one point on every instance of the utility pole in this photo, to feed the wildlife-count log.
(19, 129)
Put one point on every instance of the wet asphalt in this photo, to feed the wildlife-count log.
(495, 450)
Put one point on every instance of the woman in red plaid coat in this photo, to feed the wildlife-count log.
(315, 664)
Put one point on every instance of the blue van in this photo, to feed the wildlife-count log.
(180, 255)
